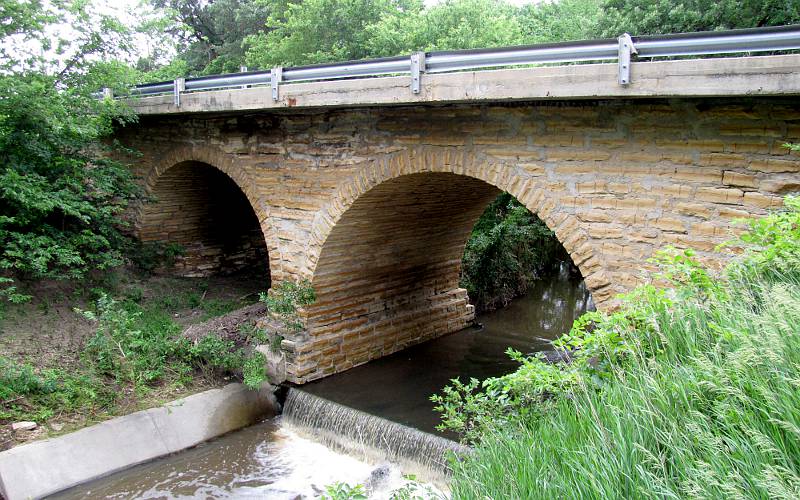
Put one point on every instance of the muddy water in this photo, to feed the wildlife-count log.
(267, 460)
(397, 387)
(276, 459)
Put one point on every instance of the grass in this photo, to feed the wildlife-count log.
(697, 396)
(126, 353)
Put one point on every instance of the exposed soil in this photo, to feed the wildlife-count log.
(228, 326)
(47, 332)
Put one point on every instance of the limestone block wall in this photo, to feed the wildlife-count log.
(198, 207)
(616, 180)
(388, 274)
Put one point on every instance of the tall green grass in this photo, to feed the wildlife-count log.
(698, 397)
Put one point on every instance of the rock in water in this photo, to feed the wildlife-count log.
(379, 477)
(23, 426)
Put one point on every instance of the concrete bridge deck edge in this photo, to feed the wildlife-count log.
(776, 75)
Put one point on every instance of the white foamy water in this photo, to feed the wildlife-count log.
(265, 461)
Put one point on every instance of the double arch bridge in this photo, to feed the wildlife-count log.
(370, 191)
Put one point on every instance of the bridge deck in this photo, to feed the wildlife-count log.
(777, 75)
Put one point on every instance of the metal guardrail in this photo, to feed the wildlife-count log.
(621, 50)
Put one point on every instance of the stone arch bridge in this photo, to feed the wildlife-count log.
(370, 192)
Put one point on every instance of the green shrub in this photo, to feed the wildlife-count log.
(686, 391)
(141, 347)
(147, 256)
(343, 491)
(21, 380)
(285, 298)
(508, 249)
(28, 394)
(254, 370)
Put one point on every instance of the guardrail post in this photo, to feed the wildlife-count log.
(626, 49)
(417, 68)
(275, 77)
(243, 69)
(178, 86)
(108, 93)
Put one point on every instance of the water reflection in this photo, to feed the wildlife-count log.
(397, 387)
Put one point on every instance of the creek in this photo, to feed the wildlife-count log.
(368, 425)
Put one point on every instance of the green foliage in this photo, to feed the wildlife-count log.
(343, 491)
(148, 256)
(411, 490)
(138, 347)
(452, 24)
(61, 193)
(689, 390)
(254, 370)
(284, 300)
(316, 31)
(772, 244)
(648, 17)
(560, 21)
(415, 490)
(219, 36)
(209, 35)
(509, 248)
(11, 293)
(28, 394)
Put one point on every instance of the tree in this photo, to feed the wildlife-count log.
(209, 34)
(60, 192)
(563, 20)
(452, 24)
(647, 17)
(316, 31)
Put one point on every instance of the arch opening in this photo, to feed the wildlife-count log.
(205, 213)
(389, 273)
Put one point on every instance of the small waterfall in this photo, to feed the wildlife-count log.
(368, 437)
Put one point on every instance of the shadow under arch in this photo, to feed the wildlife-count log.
(531, 190)
(198, 200)
(386, 254)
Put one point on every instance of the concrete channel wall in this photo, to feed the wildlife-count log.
(44, 467)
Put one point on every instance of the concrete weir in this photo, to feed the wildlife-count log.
(45, 467)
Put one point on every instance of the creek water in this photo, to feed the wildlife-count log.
(398, 387)
(367, 425)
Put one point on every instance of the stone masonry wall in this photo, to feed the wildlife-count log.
(337, 202)
(201, 209)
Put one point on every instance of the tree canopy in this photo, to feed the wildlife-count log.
(60, 193)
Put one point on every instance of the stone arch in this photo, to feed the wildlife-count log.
(384, 254)
(529, 188)
(224, 163)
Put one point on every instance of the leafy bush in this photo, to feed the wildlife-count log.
(685, 391)
(509, 248)
(148, 256)
(254, 370)
(28, 394)
(284, 300)
(141, 349)
(343, 491)
(61, 191)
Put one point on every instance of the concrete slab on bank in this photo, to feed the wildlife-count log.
(44, 467)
